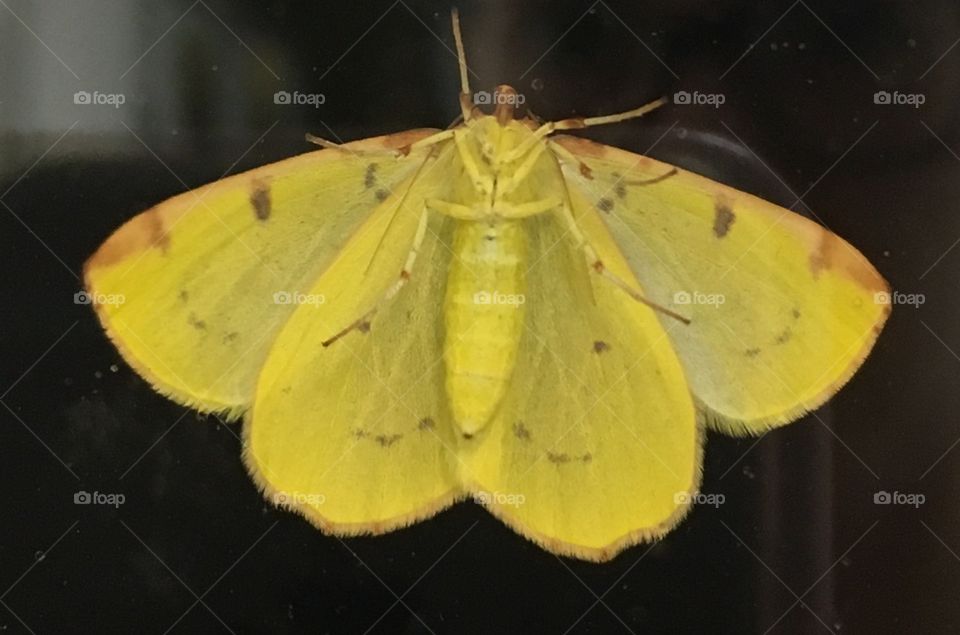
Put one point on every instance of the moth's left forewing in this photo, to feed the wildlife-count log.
(782, 310)
(194, 290)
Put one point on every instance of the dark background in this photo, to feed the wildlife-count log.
(798, 546)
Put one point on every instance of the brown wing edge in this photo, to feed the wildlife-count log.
(330, 527)
(610, 551)
(737, 428)
(149, 229)
(827, 248)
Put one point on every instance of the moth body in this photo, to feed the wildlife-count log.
(486, 283)
(483, 316)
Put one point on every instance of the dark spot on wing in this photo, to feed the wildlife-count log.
(467, 436)
(386, 441)
(426, 423)
(520, 431)
(364, 327)
(796, 314)
(600, 347)
(159, 236)
(752, 352)
(605, 204)
(381, 194)
(196, 323)
(183, 295)
(823, 258)
(489, 237)
(260, 199)
(619, 188)
(553, 457)
(785, 336)
(370, 176)
(723, 218)
(230, 337)
(359, 433)
(586, 458)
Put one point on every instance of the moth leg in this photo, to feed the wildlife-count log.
(433, 139)
(456, 210)
(332, 145)
(363, 322)
(483, 182)
(596, 264)
(575, 123)
(501, 209)
(524, 210)
(569, 158)
(401, 151)
(521, 172)
(586, 122)
(323, 143)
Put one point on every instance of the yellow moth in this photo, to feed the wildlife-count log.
(537, 321)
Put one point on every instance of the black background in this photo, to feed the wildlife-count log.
(799, 518)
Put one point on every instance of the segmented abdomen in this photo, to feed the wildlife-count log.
(483, 314)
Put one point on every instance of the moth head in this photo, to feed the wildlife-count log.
(506, 103)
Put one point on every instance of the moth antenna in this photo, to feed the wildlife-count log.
(466, 107)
